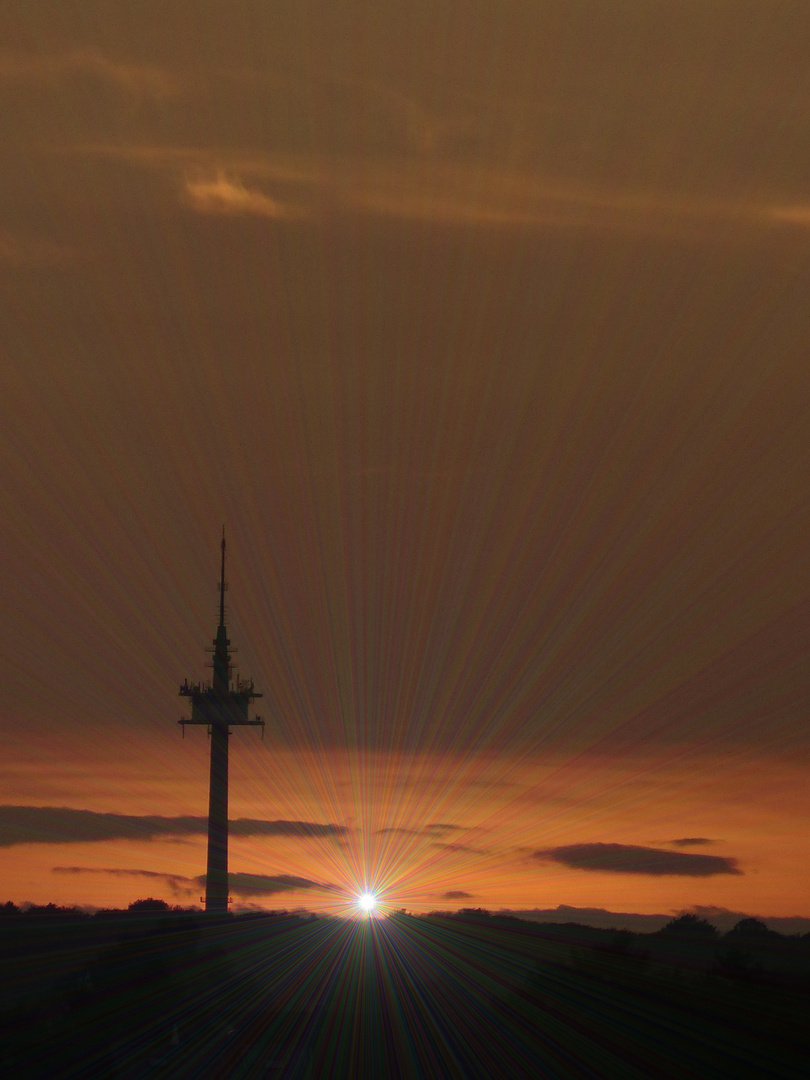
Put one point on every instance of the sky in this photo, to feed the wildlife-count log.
(482, 327)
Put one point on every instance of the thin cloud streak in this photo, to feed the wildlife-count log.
(178, 884)
(437, 829)
(460, 847)
(792, 215)
(239, 883)
(449, 193)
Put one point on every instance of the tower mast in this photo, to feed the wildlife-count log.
(219, 705)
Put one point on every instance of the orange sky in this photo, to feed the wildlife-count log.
(483, 328)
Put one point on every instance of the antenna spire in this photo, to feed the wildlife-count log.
(222, 583)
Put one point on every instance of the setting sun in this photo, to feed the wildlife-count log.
(367, 902)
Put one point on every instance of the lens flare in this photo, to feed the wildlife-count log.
(367, 902)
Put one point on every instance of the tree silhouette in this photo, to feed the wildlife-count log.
(690, 926)
(148, 906)
(749, 928)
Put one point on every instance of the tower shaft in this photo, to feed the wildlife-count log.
(216, 876)
(220, 705)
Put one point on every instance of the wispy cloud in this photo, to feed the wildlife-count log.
(432, 191)
(456, 894)
(692, 841)
(633, 859)
(61, 825)
(798, 214)
(226, 195)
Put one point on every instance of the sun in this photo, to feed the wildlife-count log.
(367, 902)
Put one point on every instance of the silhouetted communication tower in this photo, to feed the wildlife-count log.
(219, 705)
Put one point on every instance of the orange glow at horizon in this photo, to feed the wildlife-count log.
(493, 818)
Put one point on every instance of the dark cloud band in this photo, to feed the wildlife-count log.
(61, 825)
(632, 859)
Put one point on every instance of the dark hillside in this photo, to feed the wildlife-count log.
(150, 993)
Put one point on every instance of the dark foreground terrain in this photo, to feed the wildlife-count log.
(145, 993)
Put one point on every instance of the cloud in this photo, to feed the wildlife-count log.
(117, 872)
(230, 197)
(457, 894)
(449, 193)
(302, 829)
(240, 884)
(632, 859)
(460, 847)
(266, 885)
(691, 841)
(798, 214)
(61, 825)
(436, 829)
(140, 80)
(178, 883)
